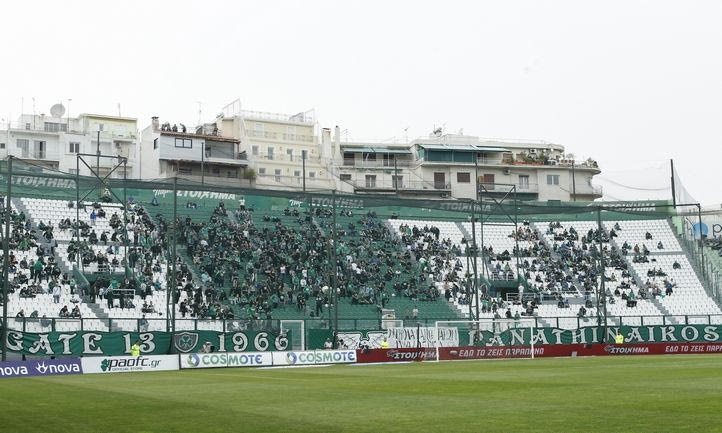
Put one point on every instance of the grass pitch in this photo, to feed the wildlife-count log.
(640, 393)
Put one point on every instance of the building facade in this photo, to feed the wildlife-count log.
(53, 142)
(204, 156)
(452, 165)
(284, 151)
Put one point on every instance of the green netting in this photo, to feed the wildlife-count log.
(191, 199)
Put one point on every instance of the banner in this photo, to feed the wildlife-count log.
(422, 336)
(83, 343)
(395, 355)
(216, 360)
(523, 336)
(314, 357)
(44, 367)
(464, 353)
(401, 337)
(129, 364)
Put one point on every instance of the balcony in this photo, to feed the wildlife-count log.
(218, 181)
(386, 185)
(386, 164)
(298, 137)
(520, 188)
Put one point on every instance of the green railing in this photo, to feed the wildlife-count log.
(58, 324)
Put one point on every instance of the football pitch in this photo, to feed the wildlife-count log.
(631, 393)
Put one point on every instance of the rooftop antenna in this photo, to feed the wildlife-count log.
(33, 112)
(69, 100)
(119, 110)
(200, 111)
(406, 134)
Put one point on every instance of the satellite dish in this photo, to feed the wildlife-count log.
(57, 110)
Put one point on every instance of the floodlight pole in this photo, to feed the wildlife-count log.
(476, 253)
(125, 217)
(175, 241)
(671, 175)
(574, 182)
(97, 170)
(303, 164)
(203, 160)
(333, 269)
(396, 176)
(701, 240)
(601, 291)
(77, 212)
(6, 258)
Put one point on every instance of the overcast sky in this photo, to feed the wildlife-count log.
(625, 82)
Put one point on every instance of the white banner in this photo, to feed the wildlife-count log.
(220, 359)
(426, 337)
(127, 364)
(314, 357)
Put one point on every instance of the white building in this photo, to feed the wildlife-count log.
(203, 156)
(446, 165)
(53, 141)
(283, 150)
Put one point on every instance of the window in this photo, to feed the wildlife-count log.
(261, 171)
(73, 170)
(208, 151)
(101, 127)
(488, 181)
(24, 145)
(463, 177)
(254, 150)
(370, 181)
(346, 177)
(258, 127)
(523, 181)
(155, 143)
(55, 127)
(291, 133)
(74, 147)
(185, 170)
(40, 147)
(369, 157)
(552, 179)
(289, 152)
(348, 158)
(297, 175)
(277, 175)
(397, 181)
(185, 143)
(311, 174)
(2, 145)
(270, 154)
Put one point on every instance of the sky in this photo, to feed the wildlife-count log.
(630, 83)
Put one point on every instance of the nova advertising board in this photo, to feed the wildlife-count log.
(129, 364)
(216, 360)
(314, 357)
(43, 367)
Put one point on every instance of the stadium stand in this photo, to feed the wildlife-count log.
(239, 267)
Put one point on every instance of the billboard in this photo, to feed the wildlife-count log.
(216, 360)
(43, 367)
(129, 364)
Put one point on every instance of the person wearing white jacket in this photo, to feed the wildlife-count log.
(56, 294)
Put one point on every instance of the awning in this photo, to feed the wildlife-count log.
(377, 149)
(463, 148)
